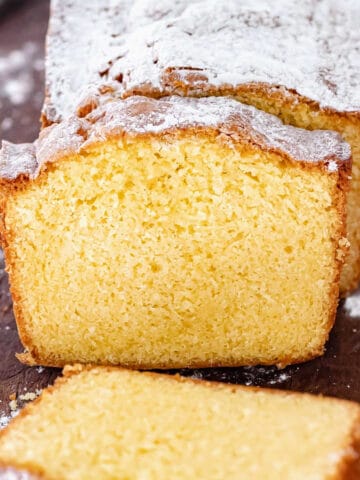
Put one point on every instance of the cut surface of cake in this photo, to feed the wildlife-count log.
(170, 233)
(108, 423)
(282, 57)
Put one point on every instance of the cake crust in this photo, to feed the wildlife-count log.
(233, 122)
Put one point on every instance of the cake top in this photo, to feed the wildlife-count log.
(162, 47)
(232, 122)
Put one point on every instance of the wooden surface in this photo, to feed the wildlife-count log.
(22, 31)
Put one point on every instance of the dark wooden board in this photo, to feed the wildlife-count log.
(337, 373)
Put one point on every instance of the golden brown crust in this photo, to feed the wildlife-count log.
(340, 243)
(31, 357)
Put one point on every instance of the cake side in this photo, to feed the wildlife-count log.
(167, 444)
(122, 178)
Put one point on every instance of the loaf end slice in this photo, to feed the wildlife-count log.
(112, 423)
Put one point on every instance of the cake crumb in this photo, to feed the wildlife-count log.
(28, 396)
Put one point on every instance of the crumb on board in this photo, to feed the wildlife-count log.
(16, 404)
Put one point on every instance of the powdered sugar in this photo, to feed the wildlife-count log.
(191, 46)
(15, 406)
(16, 160)
(249, 376)
(18, 89)
(352, 305)
(5, 419)
(7, 123)
(230, 120)
(14, 411)
(281, 378)
(16, 78)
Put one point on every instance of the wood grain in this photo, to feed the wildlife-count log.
(337, 373)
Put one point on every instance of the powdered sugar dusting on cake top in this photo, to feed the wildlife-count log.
(231, 118)
(309, 46)
(82, 38)
(231, 121)
(16, 160)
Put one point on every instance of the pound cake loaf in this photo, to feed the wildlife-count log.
(108, 423)
(170, 233)
(297, 60)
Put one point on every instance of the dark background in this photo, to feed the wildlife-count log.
(22, 32)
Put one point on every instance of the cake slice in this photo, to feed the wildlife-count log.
(174, 233)
(282, 57)
(107, 423)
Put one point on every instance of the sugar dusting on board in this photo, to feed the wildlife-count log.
(5, 419)
(249, 376)
(21, 72)
(14, 411)
(16, 404)
(16, 78)
(352, 305)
